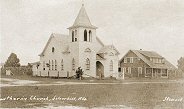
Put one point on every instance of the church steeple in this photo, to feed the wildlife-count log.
(82, 19)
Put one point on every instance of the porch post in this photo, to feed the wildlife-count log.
(123, 74)
(175, 73)
(161, 72)
(145, 72)
(167, 73)
(152, 73)
(156, 73)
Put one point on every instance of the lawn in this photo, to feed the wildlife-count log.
(139, 96)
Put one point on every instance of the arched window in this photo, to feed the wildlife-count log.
(87, 64)
(53, 49)
(111, 65)
(52, 65)
(49, 64)
(90, 36)
(85, 35)
(75, 35)
(62, 65)
(72, 36)
(55, 65)
(73, 64)
(43, 65)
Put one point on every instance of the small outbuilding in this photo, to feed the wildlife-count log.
(8, 72)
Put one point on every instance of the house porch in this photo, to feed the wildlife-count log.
(156, 72)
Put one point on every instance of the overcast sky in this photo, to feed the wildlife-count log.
(155, 25)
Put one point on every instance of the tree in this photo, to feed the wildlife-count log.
(29, 65)
(12, 61)
(181, 64)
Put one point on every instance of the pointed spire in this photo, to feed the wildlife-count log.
(82, 19)
(82, 2)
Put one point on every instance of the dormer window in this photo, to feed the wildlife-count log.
(157, 60)
(53, 49)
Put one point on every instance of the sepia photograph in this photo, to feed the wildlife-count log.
(92, 54)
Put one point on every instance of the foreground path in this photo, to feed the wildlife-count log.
(8, 82)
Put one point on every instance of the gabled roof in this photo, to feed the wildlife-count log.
(107, 48)
(82, 19)
(97, 38)
(59, 37)
(141, 54)
(150, 54)
(98, 57)
(35, 63)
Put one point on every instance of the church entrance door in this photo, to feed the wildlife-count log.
(99, 70)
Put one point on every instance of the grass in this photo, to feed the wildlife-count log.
(140, 96)
(50, 79)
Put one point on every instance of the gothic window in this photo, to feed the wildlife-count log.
(53, 49)
(49, 64)
(62, 65)
(85, 35)
(52, 65)
(73, 64)
(72, 36)
(90, 36)
(87, 64)
(111, 65)
(43, 65)
(55, 65)
(75, 35)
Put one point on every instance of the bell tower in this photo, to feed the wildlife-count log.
(82, 38)
(82, 29)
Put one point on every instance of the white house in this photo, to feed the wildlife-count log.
(63, 54)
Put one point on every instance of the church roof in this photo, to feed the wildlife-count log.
(35, 63)
(82, 19)
(98, 57)
(107, 48)
(59, 37)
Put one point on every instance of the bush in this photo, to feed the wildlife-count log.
(17, 70)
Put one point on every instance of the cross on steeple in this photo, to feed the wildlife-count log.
(82, 2)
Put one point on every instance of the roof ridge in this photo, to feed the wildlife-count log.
(59, 34)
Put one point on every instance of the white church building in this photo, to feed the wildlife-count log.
(63, 54)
